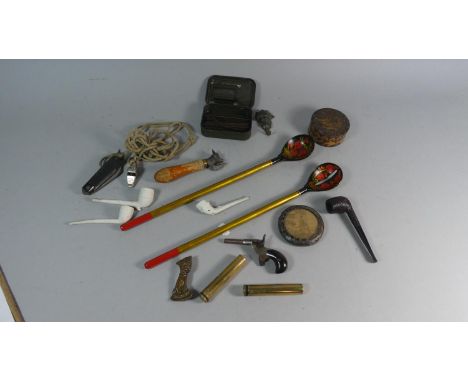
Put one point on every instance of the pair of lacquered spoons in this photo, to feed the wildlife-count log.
(325, 177)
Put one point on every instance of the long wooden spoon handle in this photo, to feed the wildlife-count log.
(169, 174)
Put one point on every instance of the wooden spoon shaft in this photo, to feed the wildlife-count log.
(169, 174)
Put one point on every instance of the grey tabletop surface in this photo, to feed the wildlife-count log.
(404, 159)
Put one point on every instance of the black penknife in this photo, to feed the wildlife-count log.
(111, 167)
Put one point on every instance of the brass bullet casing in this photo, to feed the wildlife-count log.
(272, 289)
(223, 278)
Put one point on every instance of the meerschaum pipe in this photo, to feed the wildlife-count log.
(341, 205)
(207, 208)
(145, 199)
(125, 214)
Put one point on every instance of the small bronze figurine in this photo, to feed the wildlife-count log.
(263, 118)
(341, 205)
(264, 254)
(181, 291)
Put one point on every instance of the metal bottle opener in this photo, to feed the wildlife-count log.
(264, 254)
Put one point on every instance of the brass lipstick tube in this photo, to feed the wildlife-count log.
(272, 289)
(223, 278)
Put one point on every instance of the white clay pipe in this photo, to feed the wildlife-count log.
(125, 214)
(145, 199)
(207, 208)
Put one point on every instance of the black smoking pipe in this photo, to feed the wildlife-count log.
(341, 205)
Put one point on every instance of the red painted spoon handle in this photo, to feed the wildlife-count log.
(162, 258)
(137, 221)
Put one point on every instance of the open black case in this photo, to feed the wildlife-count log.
(228, 110)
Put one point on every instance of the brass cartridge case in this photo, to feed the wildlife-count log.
(223, 278)
(272, 289)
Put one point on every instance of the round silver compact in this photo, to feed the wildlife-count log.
(300, 225)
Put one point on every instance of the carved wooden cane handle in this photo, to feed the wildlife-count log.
(168, 174)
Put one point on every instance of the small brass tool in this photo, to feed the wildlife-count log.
(181, 292)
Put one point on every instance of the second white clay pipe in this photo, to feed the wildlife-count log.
(207, 208)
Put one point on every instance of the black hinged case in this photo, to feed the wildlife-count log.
(228, 110)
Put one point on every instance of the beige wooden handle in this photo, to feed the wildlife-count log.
(168, 174)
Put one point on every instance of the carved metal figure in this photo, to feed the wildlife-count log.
(263, 118)
(181, 292)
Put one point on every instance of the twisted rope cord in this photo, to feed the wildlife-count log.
(154, 142)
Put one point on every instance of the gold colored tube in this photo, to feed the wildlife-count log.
(272, 289)
(10, 298)
(208, 189)
(236, 222)
(223, 278)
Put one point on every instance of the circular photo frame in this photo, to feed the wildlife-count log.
(300, 225)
